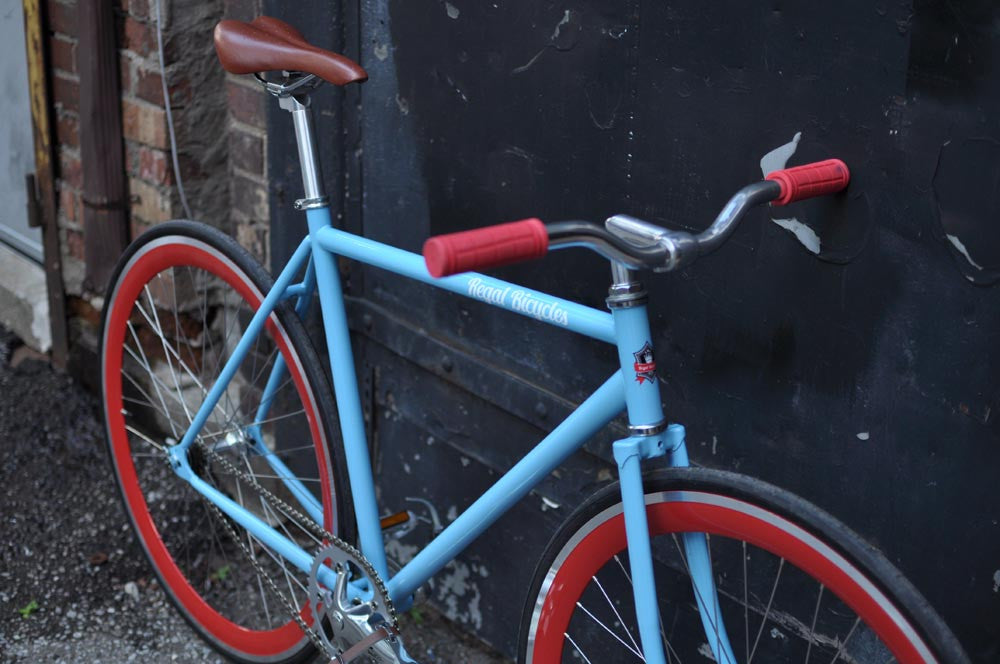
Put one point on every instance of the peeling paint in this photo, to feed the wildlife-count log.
(452, 10)
(459, 594)
(526, 66)
(452, 513)
(958, 244)
(399, 551)
(404, 106)
(803, 233)
(465, 462)
(863, 435)
(381, 51)
(776, 159)
(565, 21)
(705, 651)
(996, 581)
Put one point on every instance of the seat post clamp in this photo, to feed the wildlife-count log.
(310, 203)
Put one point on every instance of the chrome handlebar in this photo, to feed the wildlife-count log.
(640, 244)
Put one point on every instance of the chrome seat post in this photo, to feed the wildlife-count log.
(312, 176)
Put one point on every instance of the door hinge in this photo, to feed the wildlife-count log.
(34, 205)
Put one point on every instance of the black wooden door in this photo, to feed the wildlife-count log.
(842, 351)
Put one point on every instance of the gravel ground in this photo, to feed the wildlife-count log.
(74, 584)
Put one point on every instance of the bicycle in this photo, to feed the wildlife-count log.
(223, 435)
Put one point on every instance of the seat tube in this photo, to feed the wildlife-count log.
(338, 340)
(627, 301)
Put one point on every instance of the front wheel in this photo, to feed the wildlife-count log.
(794, 584)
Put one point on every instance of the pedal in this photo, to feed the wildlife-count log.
(402, 519)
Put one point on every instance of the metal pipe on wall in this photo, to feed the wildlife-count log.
(105, 222)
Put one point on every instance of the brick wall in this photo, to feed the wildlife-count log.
(219, 122)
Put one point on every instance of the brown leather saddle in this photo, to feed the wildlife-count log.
(267, 44)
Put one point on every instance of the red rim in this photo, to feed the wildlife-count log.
(255, 643)
(773, 533)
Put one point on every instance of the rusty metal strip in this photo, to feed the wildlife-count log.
(41, 122)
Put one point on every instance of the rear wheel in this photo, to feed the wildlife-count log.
(180, 300)
(794, 585)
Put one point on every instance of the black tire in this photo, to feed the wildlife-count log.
(785, 641)
(175, 304)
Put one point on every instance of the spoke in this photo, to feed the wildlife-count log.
(145, 439)
(715, 603)
(253, 558)
(585, 658)
(223, 432)
(284, 568)
(699, 600)
(843, 645)
(166, 349)
(767, 611)
(617, 615)
(663, 631)
(746, 603)
(608, 630)
(812, 627)
(145, 364)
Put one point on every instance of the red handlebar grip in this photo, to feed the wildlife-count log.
(484, 248)
(809, 180)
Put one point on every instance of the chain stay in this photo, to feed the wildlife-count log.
(316, 530)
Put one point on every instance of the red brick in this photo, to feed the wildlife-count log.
(70, 169)
(138, 37)
(246, 151)
(137, 8)
(246, 104)
(154, 166)
(61, 17)
(148, 202)
(125, 72)
(241, 10)
(70, 203)
(66, 92)
(137, 227)
(249, 197)
(144, 123)
(63, 51)
(148, 86)
(74, 244)
(68, 129)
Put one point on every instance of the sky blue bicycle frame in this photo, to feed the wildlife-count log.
(634, 388)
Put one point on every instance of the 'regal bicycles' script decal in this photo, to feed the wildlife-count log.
(518, 300)
(645, 365)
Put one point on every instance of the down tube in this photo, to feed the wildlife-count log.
(569, 436)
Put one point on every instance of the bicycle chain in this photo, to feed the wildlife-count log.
(271, 585)
(316, 530)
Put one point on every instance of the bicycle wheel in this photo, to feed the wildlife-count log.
(179, 301)
(794, 585)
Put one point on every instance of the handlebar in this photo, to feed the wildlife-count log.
(633, 242)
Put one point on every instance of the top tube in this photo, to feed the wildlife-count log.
(497, 292)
